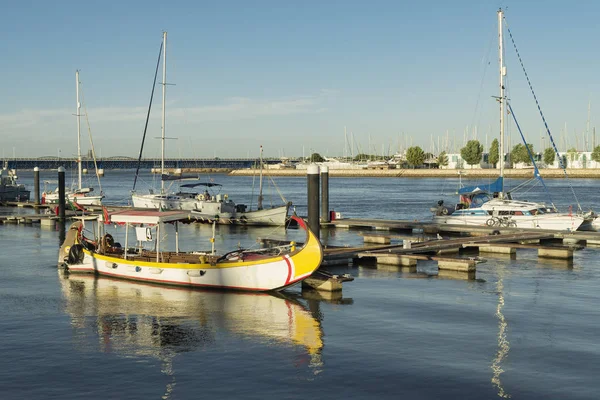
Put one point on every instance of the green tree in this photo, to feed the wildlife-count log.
(472, 152)
(362, 157)
(549, 156)
(572, 155)
(415, 156)
(596, 154)
(519, 154)
(494, 155)
(316, 157)
(442, 159)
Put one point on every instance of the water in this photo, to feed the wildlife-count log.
(525, 328)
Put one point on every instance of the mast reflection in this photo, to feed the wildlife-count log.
(503, 343)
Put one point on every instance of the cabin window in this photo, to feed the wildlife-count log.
(518, 213)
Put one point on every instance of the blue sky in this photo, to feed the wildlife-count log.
(290, 76)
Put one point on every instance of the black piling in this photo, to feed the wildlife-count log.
(312, 176)
(325, 194)
(61, 194)
(36, 186)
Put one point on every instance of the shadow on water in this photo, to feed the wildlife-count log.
(555, 263)
(145, 320)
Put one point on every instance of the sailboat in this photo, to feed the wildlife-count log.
(80, 195)
(275, 216)
(204, 206)
(490, 205)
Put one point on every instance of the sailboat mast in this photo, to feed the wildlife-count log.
(260, 181)
(501, 99)
(164, 96)
(587, 127)
(78, 129)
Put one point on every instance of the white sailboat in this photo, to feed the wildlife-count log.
(204, 206)
(275, 216)
(489, 204)
(80, 195)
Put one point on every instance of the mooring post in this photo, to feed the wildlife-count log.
(325, 194)
(36, 186)
(312, 175)
(61, 194)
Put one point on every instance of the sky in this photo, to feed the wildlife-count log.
(333, 77)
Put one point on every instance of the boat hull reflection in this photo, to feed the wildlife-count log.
(150, 320)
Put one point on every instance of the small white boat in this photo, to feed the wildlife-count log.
(262, 269)
(81, 196)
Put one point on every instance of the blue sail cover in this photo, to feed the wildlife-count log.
(493, 187)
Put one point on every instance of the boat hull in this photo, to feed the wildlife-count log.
(275, 216)
(80, 199)
(272, 275)
(557, 222)
(14, 193)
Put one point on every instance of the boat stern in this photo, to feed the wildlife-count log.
(70, 240)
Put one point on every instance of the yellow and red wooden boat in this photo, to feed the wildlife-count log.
(264, 269)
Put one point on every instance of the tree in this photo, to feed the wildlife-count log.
(442, 159)
(494, 155)
(549, 156)
(572, 155)
(415, 156)
(472, 152)
(519, 154)
(316, 157)
(362, 157)
(596, 154)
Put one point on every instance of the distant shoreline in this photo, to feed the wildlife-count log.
(398, 173)
(411, 173)
(430, 173)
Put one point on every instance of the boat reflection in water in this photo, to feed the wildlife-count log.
(136, 319)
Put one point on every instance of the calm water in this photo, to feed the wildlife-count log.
(525, 328)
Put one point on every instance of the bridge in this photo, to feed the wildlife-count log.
(120, 162)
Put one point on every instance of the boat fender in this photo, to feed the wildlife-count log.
(108, 240)
(76, 254)
(444, 211)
